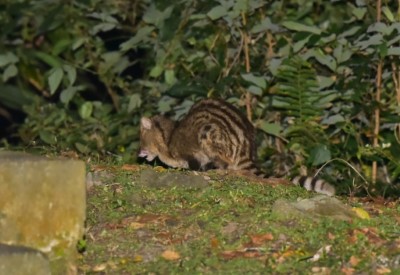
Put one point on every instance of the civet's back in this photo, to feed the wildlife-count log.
(214, 134)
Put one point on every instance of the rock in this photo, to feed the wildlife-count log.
(151, 178)
(319, 206)
(97, 178)
(42, 203)
(20, 260)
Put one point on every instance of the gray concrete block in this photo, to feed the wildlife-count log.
(42, 202)
(20, 260)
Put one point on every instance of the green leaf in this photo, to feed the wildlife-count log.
(389, 15)
(10, 72)
(333, 120)
(342, 54)
(82, 148)
(294, 26)
(14, 97)
(156, 17)
(165, 103)
(217, 12)
(141, 35)
(103, 27)
(78, 43)
(270, 128)
(393, 51)
(47, 137)
(50, 60)
(182, 90)
(86, 110)
(359, 13)
(325, 82)
(381, 28)
(350, 32)
(320, 154)
(300, 44)
(256, 80)
(67, 94)
(71, 73)
(134, 102)
(274, 65)
(169, 76)
(325, 59)
(156, 71)
(265, 25)
(8, 58)
(372, 40)
(54, 80)
(60, 46)
(255, 90)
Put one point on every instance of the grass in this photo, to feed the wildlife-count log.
(227, 227)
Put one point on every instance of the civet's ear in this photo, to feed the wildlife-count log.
(146, 123)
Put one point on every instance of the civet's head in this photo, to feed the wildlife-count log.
(154, 136)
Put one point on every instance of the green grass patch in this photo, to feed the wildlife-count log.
(227, 227)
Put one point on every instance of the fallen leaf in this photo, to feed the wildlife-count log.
(130, 167)
(124, 261)
(354, 261)
(137, 259)
(331, 236)
(99, 267)
(232, 254)
(352, 238)
(98, 168)
(113, 225)
(371, 233)
(170, 255)
(214, 243)
(259, 239)
(291, 252)
(348, 270)
(361, 213)
(136, 225)
(382, 270)
(159, 169)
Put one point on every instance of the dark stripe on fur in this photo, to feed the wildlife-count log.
(161, 129)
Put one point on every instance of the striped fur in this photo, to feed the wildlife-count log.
(214, 134)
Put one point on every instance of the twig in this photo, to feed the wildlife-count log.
(378, 100)
(396, 80)
(236, 58)
(247, 64)
(351, 166)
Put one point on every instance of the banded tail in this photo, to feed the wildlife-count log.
(309, 183)
(314, 184)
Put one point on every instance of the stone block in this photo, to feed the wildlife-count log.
(314, 208)
(42, 203)
(20, 260)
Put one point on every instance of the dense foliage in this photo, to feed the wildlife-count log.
(320, 79)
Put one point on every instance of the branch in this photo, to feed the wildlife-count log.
(247, 64)
(378, 99)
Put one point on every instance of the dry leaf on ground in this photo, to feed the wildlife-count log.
(259, 239)
(170, 255)
(130, 167)
(354, 260)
